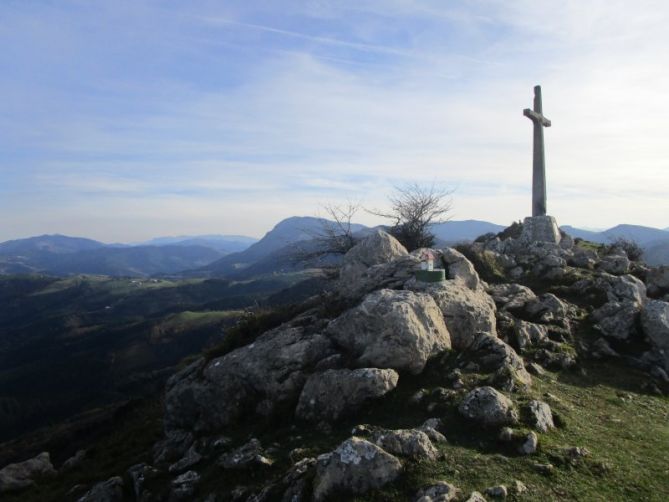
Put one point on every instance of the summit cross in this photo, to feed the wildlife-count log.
(538, 157)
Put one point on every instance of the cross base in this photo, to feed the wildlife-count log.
(540, 229)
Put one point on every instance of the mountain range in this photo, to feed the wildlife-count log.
(241, 257)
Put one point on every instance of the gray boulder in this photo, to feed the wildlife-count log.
(655, 322)
(548, 309)
(529, 444)
(261, 378)
(466, 312)
(617, 264)
(375, 249)
(330, 395)
(411, 443)
(185, 485)
(617, 319)
(528, 334)
(657, 280)
(476, 497)
(540, 415)
(510, 296)
(14, 477)
(106, 491)
(623, 288)
(460, 269)
(356, 466)
(488, 407)
(249, 455)
(392, 329)
(439, 492)
(494, 355)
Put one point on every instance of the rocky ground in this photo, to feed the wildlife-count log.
(534, 371)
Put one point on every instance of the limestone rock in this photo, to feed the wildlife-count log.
(617, 319)
(106, 491)
(138, 475)
(262, 377)
(466, 312)
(499, 491)
(528, 334)
(185, 485)
(488, 407)
(250, 455)
(476, 497)
(410, 443)
(583, 258)
(655, 322)
(392, 329)
(540, 415)
(460, 269)
(355, 466)
(439, 492)
(334, 393)
(173, 447)
(547, 308)
(14, 477)
(530, 444)
(617, 264)
(657, 280)
(74, 461)
(622, 288)
(431, 428)
(493, 354)
(511, 296)
(379, 248)
(190, 458)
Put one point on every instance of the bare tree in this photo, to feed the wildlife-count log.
(337, 230)
(413, 209)
(334, 235)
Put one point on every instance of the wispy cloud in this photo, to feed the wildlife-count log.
(235, 115)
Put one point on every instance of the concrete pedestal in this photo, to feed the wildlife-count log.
(540, 229)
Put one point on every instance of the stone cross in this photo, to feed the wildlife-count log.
(538, 160)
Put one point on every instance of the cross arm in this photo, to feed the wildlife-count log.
(536, 117)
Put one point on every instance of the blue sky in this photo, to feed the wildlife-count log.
(126, 119)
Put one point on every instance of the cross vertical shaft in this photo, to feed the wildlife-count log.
(538, 155)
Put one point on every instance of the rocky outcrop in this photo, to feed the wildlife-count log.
(377, 249)
(540, 415)
(14, 477)
(466, 312)
(411, 443)
(392, 329)
(657, 281)
(439, 492)
(488, 407)
(511, 296)
(356, 466)
(330, 395)
(261, 378)
(655, 322)
(249, 455)
(106, 491)
(617, 320)
(494, 355)
(460, 269)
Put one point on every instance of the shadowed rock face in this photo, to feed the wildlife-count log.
(259, 377)
(655, 322)
(392, 329)
(15, 477)
(356, 466)
(488, 407)
(332, 394)
(466, 312)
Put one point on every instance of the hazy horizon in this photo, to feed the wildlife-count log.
(128, 120)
